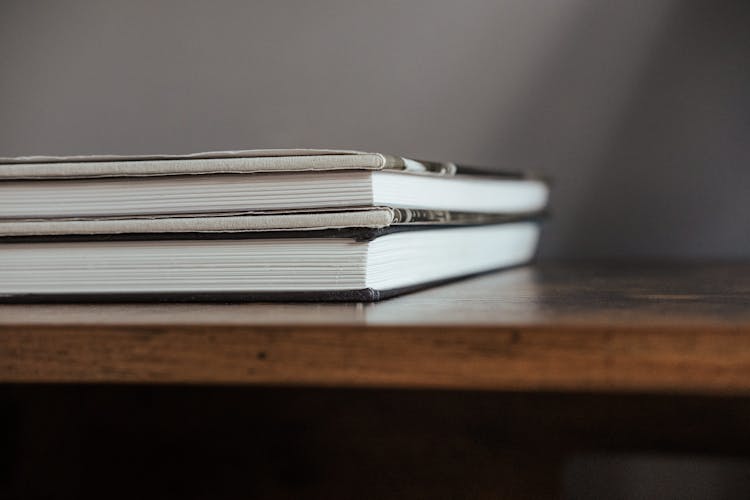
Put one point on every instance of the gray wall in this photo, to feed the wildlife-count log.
(639, 110)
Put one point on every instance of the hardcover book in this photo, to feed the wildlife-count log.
(255, 225)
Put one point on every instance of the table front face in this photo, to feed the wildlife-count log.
(577, 327)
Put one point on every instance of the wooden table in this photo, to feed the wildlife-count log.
(657, 328)
(480, 387)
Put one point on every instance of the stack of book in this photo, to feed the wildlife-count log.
(255, 225)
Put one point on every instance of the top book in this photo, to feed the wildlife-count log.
(281, 180)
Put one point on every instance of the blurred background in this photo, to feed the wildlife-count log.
(640, 111)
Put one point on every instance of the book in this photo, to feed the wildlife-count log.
(255, 225)
(246, 182)
(308, 220)
(339, 265)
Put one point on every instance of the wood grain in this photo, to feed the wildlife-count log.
(682, 328)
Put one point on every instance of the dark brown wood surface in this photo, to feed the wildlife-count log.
(658, 327)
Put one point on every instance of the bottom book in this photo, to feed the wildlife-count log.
(316, 265)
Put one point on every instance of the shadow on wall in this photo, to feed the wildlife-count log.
(643, 116)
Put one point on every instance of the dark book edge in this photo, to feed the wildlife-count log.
(409, 222)
(459, 169)
(360, 295)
